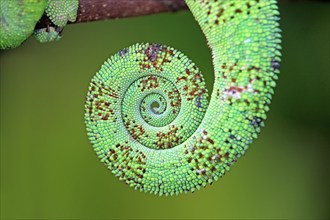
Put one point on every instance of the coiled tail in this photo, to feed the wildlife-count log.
(147, 113)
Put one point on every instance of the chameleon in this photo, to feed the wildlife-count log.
(19, 19)
(147, 112)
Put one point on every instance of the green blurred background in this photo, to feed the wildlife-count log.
(49, 169)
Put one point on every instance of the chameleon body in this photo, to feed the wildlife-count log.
(147, 113)
(18, 20)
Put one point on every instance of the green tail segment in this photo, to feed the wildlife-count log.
(146, 110)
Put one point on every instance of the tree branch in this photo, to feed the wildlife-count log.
(93, 10)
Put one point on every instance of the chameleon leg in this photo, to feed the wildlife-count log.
(59, 12)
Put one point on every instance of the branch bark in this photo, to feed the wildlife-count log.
(94, 10)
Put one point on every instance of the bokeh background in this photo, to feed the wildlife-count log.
(49, 169)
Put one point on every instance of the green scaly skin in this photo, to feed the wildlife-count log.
(146, 110)
(45, 35)
(60, 13)
(19, 18)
